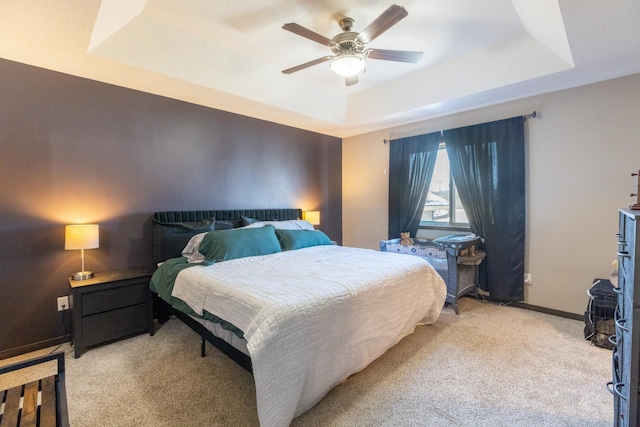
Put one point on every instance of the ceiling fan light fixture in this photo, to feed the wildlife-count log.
(349, 48)
(347, 65)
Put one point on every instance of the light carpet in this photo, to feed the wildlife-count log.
(491, 365)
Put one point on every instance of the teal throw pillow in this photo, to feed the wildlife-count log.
(298, 239)
(223, 245)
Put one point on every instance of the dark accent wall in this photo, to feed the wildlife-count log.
(74, 150)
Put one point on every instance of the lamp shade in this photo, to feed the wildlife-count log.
(347, 65)
(312, 216)
(81, 236)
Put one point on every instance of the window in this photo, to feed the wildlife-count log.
(440, 209)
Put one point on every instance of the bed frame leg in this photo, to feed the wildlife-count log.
(202, 348)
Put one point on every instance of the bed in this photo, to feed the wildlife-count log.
(285, 302)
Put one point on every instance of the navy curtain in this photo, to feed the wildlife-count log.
(487, 164)
(411, 163)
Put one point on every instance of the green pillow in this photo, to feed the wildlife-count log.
(298, 239)
(224, 245)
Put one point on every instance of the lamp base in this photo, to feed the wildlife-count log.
(82, 275)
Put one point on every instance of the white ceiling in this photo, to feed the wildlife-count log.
(228, 54)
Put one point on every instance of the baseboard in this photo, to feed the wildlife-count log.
(17, 351)
(537, 308)
(545, 310)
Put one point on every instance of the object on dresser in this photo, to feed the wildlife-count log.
(405, 239)
(636, 205)
(599, 316)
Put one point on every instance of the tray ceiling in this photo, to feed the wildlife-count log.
(229, 55)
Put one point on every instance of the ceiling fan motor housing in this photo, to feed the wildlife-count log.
(348, 44)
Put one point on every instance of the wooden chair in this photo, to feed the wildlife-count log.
(44, 401)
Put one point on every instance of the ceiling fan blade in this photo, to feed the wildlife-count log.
(388, 19)
(350, 81)
(311, 35)
(307, 65)
(394, 55)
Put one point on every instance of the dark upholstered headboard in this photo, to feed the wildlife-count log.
(173, 229)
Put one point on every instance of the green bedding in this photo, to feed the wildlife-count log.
(162, 283)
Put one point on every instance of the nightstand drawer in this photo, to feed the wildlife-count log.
(115, 324)
(130, 293)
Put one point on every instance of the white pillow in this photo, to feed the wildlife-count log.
(293, 224)
(256, 224)
(190, 252)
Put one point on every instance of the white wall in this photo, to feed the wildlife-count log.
(580, 153)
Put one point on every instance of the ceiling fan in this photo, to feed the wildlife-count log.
(349, 48)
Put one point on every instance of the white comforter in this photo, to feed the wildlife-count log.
(314, 316)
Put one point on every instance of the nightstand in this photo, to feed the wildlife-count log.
(109, 306)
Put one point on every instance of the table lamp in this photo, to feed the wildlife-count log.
(81, 236)
(312, 216)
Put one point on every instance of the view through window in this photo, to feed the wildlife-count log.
(443, 206)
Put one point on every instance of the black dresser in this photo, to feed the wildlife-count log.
(626, 351)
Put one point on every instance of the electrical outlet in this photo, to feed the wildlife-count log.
(527, 278)
(63, 303)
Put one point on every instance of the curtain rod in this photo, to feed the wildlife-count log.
(532, 115)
